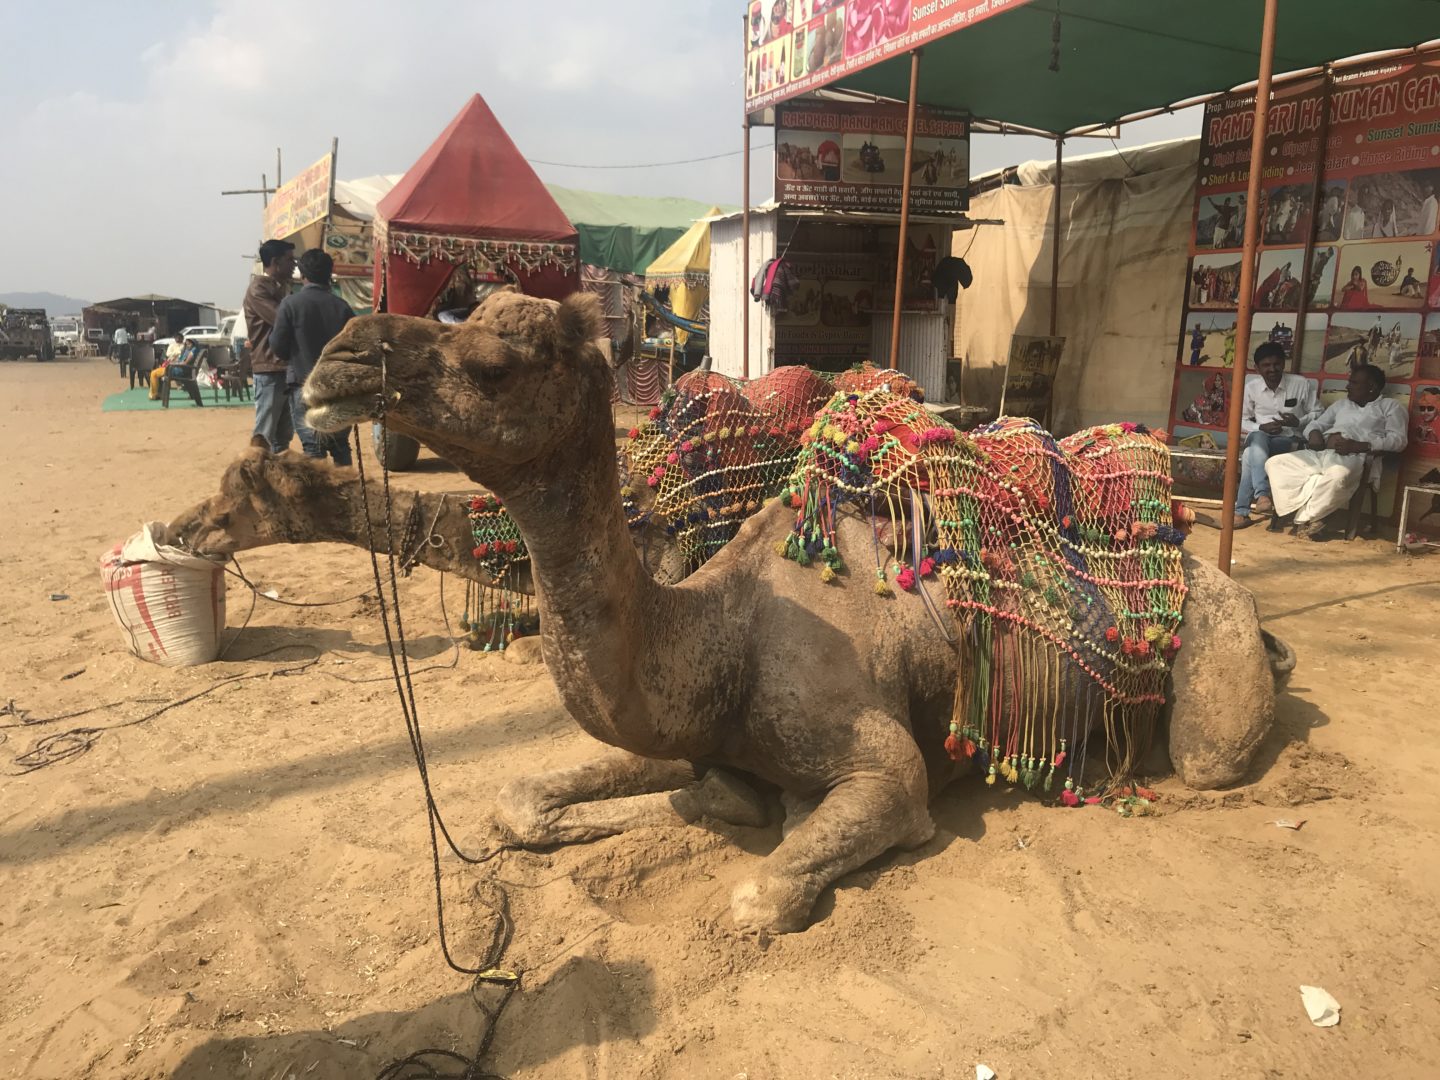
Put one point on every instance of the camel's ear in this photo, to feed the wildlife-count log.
(579, 321)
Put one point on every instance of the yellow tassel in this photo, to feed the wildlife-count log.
(827, 575)
(780, 547)
(883, 589)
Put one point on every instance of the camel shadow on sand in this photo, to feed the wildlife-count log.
(266, 642)
(583, 1002)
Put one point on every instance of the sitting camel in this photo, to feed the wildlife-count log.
(839, 698)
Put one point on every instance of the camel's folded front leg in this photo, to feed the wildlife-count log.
(877, 807)
(617, 792)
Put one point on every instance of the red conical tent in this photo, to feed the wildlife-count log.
(471, 202)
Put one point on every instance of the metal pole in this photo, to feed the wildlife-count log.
(1055, 244)
(745, 257)
(277, 167)
(264, 191)
(904, 208)
(1243, 312)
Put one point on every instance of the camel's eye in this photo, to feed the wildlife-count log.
(490, 376)
(220, 521)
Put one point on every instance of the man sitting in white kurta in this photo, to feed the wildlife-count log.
(1311, 484)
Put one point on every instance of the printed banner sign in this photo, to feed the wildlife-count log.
(841, 156)
(795, 46)
(1030, 376)
(299, 202)
(1349, 227)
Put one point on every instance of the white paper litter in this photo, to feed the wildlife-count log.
(1323, 1010)
(984, 1072)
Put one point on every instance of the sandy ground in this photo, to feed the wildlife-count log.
(242, 886)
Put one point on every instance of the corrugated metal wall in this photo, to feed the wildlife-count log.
(923, 349)
(728, 296)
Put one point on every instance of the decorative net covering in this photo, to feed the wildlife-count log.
(716, 450)
(497, 615)
(1059, 561)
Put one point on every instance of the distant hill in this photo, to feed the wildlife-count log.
(53, 303)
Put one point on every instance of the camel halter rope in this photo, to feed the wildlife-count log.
(485, 972)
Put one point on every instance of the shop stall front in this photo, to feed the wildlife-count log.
(831, 243)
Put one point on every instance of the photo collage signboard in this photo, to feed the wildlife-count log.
(1347, 273)
(842, 156)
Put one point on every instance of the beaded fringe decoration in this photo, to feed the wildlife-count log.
(496, 615)
(715, 450)
(1059, 561)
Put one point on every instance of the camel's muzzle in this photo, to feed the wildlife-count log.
(342, 391)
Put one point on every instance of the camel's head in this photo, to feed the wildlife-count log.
(260, 493)
(496, 395)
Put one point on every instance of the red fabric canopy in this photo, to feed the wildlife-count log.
(474, 182)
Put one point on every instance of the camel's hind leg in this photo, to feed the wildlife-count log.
(616, 792)
(862, 816)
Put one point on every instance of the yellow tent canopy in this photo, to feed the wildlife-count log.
(685, 267)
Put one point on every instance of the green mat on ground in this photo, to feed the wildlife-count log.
(138, 400)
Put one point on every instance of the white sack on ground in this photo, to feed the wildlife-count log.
(168, 603)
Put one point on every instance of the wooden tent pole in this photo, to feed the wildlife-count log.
(1055, 244)
(904, 208)
(1244, 308)
(745, 257)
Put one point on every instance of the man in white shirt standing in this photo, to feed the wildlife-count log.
(1277, 406)
(1312, 484)
(121, 341)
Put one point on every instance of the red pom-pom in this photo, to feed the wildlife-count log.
(1065, 521)
(634, 433)
(481, 550)
(927, 566)
(655, 413)
(1060, 759)
(796, 501)
(1069, 798)
(1112, 634)
(952, 746)
(510, 546)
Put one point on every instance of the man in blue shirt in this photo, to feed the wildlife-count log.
(304, 324)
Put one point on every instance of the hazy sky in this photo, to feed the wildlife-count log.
(123, 121)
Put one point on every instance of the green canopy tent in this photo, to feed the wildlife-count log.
(1118, 58)
(626, 232)
(1064, 68)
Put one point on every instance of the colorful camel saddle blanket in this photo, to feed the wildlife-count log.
(1059, 562)
(716, 449)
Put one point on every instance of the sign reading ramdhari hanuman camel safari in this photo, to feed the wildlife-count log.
(299, 202)
(840, 156)
(793, 46)
(1349, 226)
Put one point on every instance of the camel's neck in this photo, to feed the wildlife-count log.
(414, 517)
(601, 616)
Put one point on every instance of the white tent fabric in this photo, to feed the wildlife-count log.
(1125, 241)
(358, 197)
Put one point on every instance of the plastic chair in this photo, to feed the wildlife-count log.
(183, 375)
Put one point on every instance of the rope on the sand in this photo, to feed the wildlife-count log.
(425, 1064)
(65, 745)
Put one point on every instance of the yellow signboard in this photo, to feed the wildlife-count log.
(300, 202)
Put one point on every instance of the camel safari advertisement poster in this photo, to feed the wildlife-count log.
(795, 46)
(1349, 224)
(300, 202)
(836, 156)
(827, 323)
